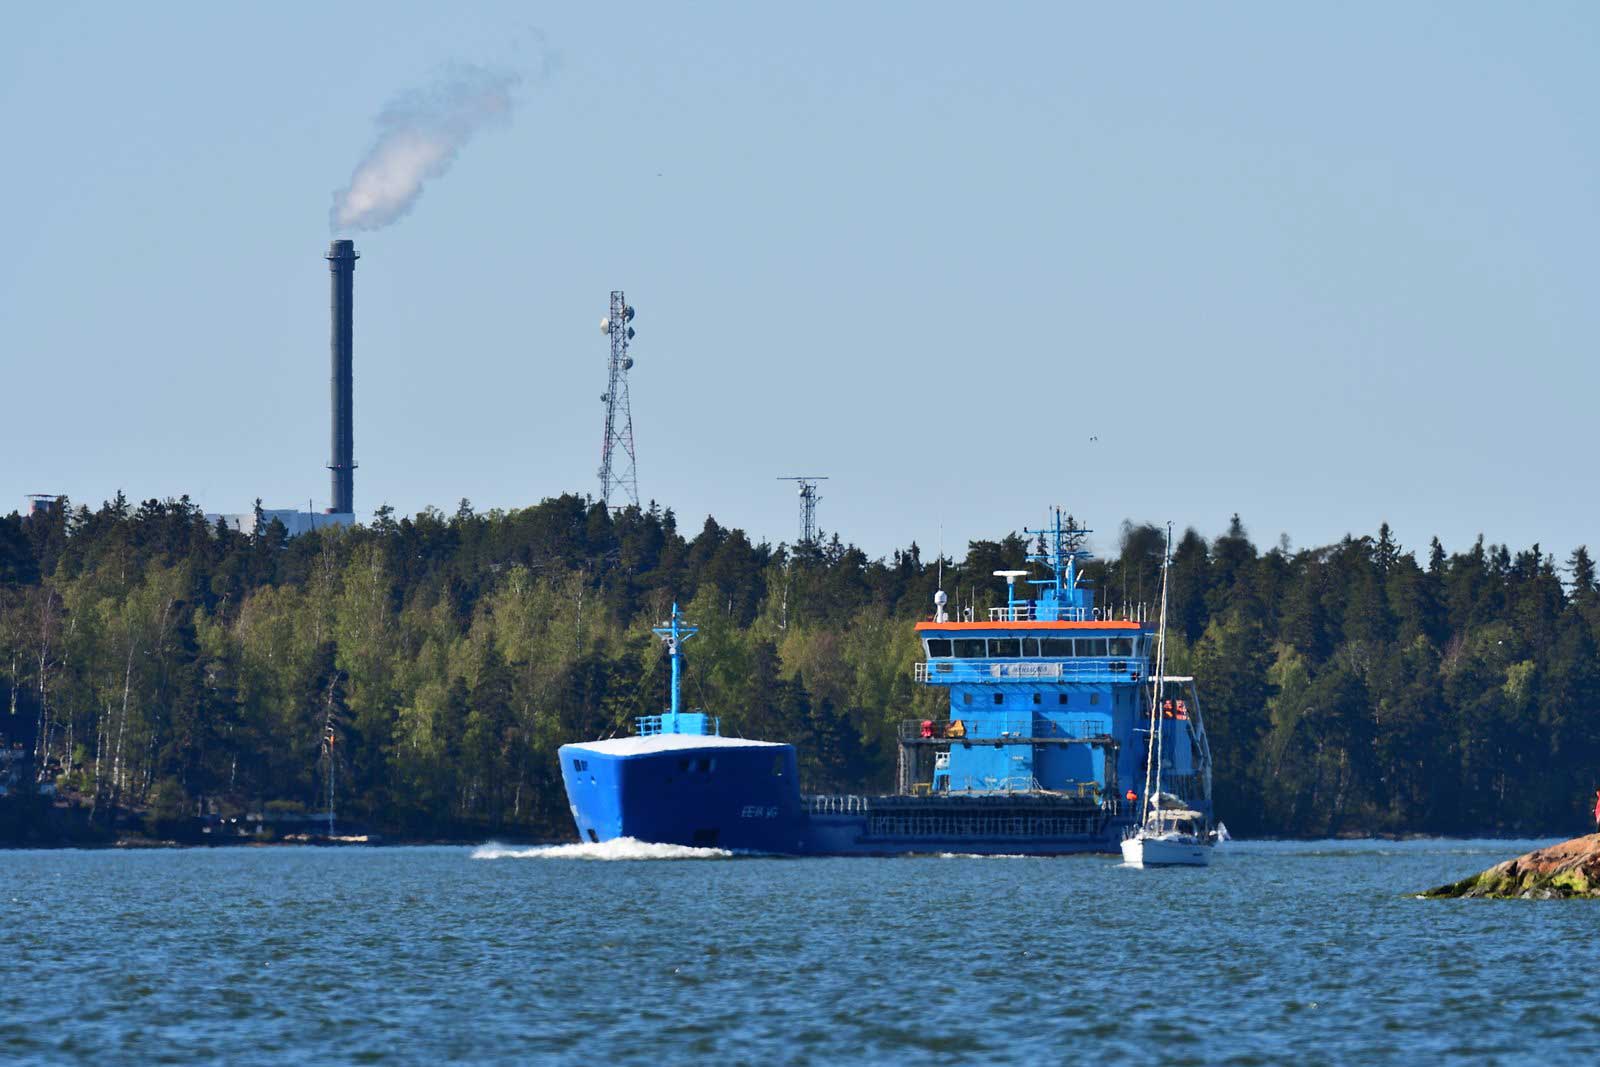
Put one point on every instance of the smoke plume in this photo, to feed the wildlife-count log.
(420, 133)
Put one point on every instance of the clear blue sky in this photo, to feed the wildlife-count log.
(1321, 265)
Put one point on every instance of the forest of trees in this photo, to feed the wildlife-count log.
(151, 662)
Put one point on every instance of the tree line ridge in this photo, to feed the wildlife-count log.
(153, 662)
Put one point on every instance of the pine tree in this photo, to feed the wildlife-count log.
(1304, 622)
(1231, 558)
(1582, 568)
(1387, 551)
(1189, 581)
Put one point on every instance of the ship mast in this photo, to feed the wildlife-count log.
(675, 634)
(1152, 763)
(1063, 549)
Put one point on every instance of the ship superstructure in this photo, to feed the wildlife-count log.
(1041, 750)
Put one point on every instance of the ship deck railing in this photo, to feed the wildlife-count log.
(1034, 613)
(837, 804)
(1024, 828)
(993, 793)
(951, 671)
(1023, 729)
(988, 785)
(1029, 611)
(648, 725)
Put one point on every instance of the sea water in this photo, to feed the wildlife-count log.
(1316, 952)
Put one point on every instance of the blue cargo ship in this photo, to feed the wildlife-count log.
(1042, 749)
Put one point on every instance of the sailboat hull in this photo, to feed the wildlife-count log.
(1174, 851)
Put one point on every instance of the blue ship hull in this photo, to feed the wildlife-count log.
(712, 792)
(684, 790)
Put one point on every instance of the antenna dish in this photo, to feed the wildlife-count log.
(605, 325)
(630, 314)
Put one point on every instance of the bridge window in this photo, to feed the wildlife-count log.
(1121, 646)
(1004, 648)
(1061, 698)
(1091, 646)
(938, 647)
(1038, 699)
(966, 698)
(580, 764)
(970, 648)
(1055, 647)
(999, 698)
(1094, 698)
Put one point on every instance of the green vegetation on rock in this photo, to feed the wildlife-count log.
(1570, 869)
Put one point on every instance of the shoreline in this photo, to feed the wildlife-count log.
(141, 844)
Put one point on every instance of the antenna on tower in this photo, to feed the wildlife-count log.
(808, 504)
(618, 474)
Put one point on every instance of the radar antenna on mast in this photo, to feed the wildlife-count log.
(618, 473)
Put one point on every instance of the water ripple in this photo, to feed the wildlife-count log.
(1313, 952)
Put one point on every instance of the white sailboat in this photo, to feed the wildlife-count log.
(1169, 834)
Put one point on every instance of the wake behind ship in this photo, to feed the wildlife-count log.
(1042, 750)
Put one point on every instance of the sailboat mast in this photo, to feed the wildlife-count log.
(1152, 764)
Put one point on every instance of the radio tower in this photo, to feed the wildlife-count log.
(618, 473)
(808, 504)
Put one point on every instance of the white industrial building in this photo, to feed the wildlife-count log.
(295, 522)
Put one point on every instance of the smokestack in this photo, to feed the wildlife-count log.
(342, 258)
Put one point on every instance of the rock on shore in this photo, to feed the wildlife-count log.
(1570, 869)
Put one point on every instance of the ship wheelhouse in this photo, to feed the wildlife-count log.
(1047, 696)
(1033, 706)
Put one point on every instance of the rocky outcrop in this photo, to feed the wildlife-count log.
(1570, 869)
